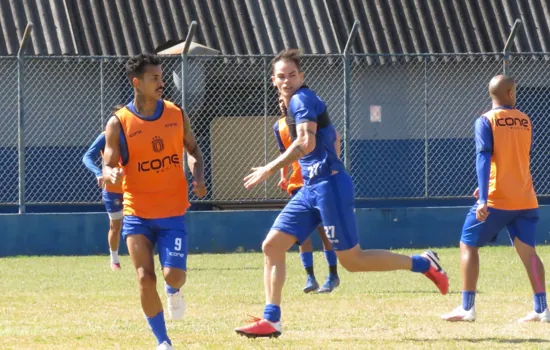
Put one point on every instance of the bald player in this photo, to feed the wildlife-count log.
(506, 198)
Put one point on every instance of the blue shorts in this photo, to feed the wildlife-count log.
(169, 234)
(330, 203)
(113, 204)
(520, 223)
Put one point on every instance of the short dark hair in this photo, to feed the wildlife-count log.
(293, 55)
(135, 66)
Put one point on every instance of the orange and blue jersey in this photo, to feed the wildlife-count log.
(504, 140)
(92, 154)
(154, 184)
(282, 135)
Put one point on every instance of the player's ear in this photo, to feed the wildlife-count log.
(302, 76)
(273, 80)
(135, 82)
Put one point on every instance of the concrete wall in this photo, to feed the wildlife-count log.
(230, 231)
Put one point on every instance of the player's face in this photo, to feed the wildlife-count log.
(151, 84)
(286, 78)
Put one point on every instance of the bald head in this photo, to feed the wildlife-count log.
(502, 89)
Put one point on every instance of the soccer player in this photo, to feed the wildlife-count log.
(150, 135)
(112, 196)
(326, 198)
(506, 198)
(292, 186)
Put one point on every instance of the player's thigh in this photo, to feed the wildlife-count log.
(479, 233)
(172, 243)
(113, 205)
(298, 218)
(141, 252)
(524, 227)
(335, 203)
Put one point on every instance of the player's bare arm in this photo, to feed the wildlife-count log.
(111, 171)
(337, 145)
(302, 146)
(196, 161)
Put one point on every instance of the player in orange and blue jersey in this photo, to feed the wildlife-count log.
(149, 135)
(292, 185)
(506, 199)
(112, 198)
(327, 198)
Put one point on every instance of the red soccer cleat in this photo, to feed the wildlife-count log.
(115, 266)
(260, 328)
(436, 273)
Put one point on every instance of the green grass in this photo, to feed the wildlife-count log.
(77, 302)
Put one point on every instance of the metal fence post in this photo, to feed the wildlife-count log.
(347, 83)
(505, 51)
(266, 79)
(426, 114)
(20, 116)
(101, 93)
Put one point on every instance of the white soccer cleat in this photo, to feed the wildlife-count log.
(176, 305)
(460, 315)
(533, 316)
(165, 346)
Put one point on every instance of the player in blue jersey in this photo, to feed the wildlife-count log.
(326, 198)
(112, 196)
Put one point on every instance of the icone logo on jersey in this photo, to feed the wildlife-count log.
(159, 164)
(510, 121)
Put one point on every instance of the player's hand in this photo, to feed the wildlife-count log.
(100, 182)
(476, 193)
(199, 189)
(283, 184)
(257, 176)
(116, 176)
(482, 212)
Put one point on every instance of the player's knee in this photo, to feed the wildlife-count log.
(115, 226)
(146, 279)
(175, 278)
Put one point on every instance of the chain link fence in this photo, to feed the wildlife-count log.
(408, 131)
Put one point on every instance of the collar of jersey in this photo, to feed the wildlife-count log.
(504, 107)
(158, 111)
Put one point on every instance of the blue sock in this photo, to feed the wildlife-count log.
(419, 264)
(330, 255)
(540, 302)
(272, 312)
(171, 290)
(158, 326)
(307, 259)
(468, 299)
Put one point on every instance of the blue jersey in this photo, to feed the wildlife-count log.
(93, 153)
(306, 106)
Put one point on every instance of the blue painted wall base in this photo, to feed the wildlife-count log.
(230, 231)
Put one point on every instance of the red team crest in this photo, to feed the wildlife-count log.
(158, 144)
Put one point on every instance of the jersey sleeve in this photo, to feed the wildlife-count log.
(484, 150)
(93, 153)
(483, 135)
(278, 137)
(303, 108)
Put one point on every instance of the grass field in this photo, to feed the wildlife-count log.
(78, 303)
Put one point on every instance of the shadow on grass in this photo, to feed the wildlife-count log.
(482, 340)
(226, 268)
